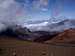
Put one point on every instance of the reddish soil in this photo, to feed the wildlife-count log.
(68, 36)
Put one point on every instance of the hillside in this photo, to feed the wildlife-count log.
(68, 36)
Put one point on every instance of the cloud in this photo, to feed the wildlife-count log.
(40, 5)
(11, 13)
(44, 2)
(44, 5)
(6, 10)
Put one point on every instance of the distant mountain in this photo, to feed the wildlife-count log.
(48, 26)
(62, 25)
(40, 31)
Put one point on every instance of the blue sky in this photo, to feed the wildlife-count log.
(69, 10)
(45, 9)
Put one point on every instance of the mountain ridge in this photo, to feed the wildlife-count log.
(64, 24)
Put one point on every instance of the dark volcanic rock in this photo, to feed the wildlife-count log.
(22, 32)
(8, 32)
(41, 36)
(17, 32)
(38, 36)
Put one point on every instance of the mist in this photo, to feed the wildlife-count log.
(10, 14)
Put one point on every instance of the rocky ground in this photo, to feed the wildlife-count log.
(9, 43)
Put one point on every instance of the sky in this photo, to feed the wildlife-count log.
(69, 8)
(21, 11)
(18, 12)
(45, 9)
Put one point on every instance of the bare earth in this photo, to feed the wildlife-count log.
(10, 46)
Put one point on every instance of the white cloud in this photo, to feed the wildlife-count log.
(10, 13)
(41, 5)
(44, 2)
(6, 3)
(44, 5)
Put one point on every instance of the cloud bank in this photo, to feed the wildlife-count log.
(10, 14)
